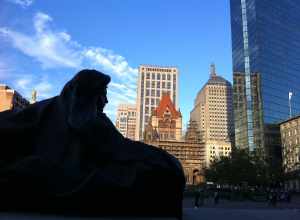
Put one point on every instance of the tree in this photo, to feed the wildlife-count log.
(240, 167)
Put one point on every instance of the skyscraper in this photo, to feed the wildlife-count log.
(126, 120)
(153, 82)
(265, 43)
(214, 116)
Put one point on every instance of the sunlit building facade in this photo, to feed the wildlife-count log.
(290, 136)
(126, 120)
(213, 114)
(10, 99)
(153, 82)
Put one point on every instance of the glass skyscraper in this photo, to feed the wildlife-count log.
(266, 66)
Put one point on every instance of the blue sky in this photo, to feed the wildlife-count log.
(44, 43)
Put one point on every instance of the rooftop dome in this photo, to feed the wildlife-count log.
(214, 79)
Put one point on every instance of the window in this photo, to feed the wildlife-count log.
(152, 92)
(158, 76)
(147, 92)
(147, 84)
(163, 76)
(168, 85)
(163, 85)
(148, 76)
(158, 85)
(152, 102)
(147, 101)
(169, 77)
(158, 93)
(153, 84)
(153, 76)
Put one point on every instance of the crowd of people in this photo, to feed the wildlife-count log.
(271, 196)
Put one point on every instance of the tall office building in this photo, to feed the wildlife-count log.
(265, 42)
(126, 120)
(214, 116)
(153, 82)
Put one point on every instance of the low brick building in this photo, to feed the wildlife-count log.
(11, 99)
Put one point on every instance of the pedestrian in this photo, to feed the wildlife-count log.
(202, 197)
(288, 196)
(274, 199)
(197, 197)
(216, 197)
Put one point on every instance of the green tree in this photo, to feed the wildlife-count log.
(241, 167)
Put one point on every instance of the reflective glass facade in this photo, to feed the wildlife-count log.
(266, 40)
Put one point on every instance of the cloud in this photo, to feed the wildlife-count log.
(26, 83)
(22, 3)
(54, 49)
(4, 69)
(111, 62)
(23, 83)
(51, 49)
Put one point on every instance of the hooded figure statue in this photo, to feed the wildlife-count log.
(64, 155)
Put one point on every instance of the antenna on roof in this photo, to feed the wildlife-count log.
(212, 70)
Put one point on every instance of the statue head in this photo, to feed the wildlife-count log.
(85, 96)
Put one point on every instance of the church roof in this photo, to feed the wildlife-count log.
(164, 104)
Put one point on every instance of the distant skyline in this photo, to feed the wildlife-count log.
(44, 43)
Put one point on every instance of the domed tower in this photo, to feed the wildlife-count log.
(213, 113)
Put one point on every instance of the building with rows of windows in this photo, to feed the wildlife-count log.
(213, 114)
(126, 120)
(153, 82)
(290, 138)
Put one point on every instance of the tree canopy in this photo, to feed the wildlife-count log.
(241, 167)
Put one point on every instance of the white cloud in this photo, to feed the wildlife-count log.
(26, 83)
(111, 62)
(52, 49)
(4, 69)
(23, 83)
(41, 21)
(55, 49)
(22, 3)
(44, 89)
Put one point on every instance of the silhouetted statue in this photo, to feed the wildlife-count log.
(64, 155)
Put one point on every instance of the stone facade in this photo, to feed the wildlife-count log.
(126, 120)
(153, 82)
(189, 155)
(11, 99)
(290, 138)
(164, 131)
(213, 114)
(165, 122)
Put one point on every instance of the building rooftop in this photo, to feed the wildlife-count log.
(217, 80)
(290, 119)
(214, 78)
(165, 103)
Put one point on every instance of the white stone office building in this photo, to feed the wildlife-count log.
(153, 82)
(126, 120)
(213, 114)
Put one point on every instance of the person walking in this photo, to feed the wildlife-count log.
(216, 197)
(197, 197)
